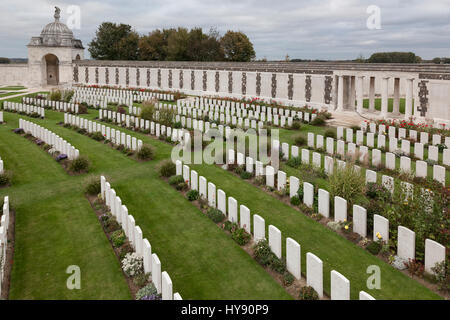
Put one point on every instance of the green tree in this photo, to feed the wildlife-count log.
(4, 60)
(394, 57)
(114, 42)
(177, 45)
(154, 45)
(237, 47)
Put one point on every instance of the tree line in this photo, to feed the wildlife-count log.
(120, 42)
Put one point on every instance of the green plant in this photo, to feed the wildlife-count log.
(294, 162)
(415, 268)
(147, 110)
(133, 264)
(93, 186)
(330, 133)
(175, 180)
(55, 95)
(181, 186)
(141, 279)
(240, 236)
(146, 291)
(80, 164)
(215, 215)
(347, 183)
(98, 136)
(5, 178)
(299, 140)
(118, 238)
(374, 247)
(288, 279)
(167, 169)
(318, 121)
(308, 293)
(146, 152)
(295, 200)
(442, 275)
(246, 175)
(295, 125)
(192, 195)
(262, 252)
(277, 264)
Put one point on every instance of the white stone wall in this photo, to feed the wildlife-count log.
(14, 74)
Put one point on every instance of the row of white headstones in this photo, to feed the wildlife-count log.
(340, 285)
(20, 107)
(141, 245)
(50, 138)
(405, 145)
(434, 251)
(55, 105)
(4, 226)
(114, 135)
(316, 142)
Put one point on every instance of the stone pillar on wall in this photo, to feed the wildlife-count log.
(372, 94)
(384, 96)
(409, 98)
(359, 93)
(351, 93)
(340, 99)
(396, 109)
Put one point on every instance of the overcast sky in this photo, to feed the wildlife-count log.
(309, 29)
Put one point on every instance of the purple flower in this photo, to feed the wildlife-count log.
(39, 142)
(60, 157)
(18, 130)
(151, 297)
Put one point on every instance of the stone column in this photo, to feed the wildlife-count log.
(409, 98)
(372, 94)
(359, 93)
(384, 96)
(352, 93)
(340, 99)
(396, 108)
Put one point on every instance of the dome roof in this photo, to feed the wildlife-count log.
(57, 33)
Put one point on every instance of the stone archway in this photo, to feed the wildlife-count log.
(78, 57)
(51, 69)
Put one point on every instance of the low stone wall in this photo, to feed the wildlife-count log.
(14, 74)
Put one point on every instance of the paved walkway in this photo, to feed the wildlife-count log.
(23, 93)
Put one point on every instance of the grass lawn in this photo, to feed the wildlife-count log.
(57, 228)
(12, 88)
(377, 102)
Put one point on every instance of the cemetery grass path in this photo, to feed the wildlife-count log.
(203, 262)
(336, 252)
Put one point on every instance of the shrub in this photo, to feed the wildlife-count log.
(55, 95)
(82, 109)
(124, 250)
(246, 175)
(288, 279)
(147, 110)
(295, 200)
(146, 291)
(374, 247)
(93, 186)
(192, 195)
(215, 215)
(329, 133)
(318, 121)
(294, 162)
(118, 238)
(97, 136)
(240, 236)
(177, 125)
(175, 180)
(166, 117)
(121, 109)
(299, 140)
(238, 170)
(141, 279)
(415, 267)
(146, 152)
(347, 183)
(181, 186)
(80, 164)
(442, 275)
(262, 252)
(295, 125)
(308, 293)
(167, 169)
(5, 178)
(132, 264)
(277, 265)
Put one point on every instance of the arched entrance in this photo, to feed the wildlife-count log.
(78, 57)
(51, 69)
